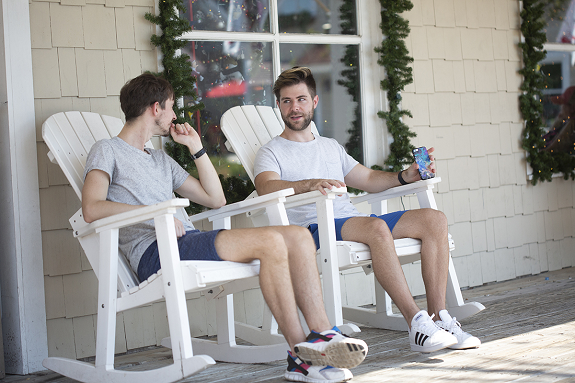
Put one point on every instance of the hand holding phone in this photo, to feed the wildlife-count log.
(423, 163)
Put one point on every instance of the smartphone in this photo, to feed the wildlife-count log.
(423, 162)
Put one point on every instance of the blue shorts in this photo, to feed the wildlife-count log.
(390, 219)
(194, 246)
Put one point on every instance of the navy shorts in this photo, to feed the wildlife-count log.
(390, 219)
(194, 246)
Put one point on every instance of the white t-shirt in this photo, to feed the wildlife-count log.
(322, 158)
(136, 178)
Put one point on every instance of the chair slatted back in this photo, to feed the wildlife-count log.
(249, 128)
(70, 136)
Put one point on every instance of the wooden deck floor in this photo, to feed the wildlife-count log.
(527, 330)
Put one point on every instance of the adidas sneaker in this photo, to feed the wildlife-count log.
(464, 339)
(426, 336)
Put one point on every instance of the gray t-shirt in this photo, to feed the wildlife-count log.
(322, 158)
(136, 178)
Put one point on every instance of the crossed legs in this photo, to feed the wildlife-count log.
(428, 225)
(289, 276)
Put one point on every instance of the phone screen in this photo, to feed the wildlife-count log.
(423, 162)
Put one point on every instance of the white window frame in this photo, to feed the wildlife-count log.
(369, 36)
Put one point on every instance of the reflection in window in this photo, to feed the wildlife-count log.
(313, 16)
(228, 74)
(559, 101)
(559, 21)
(336, 115)
(228, 15)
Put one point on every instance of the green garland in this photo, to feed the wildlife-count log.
(395, 59)
(544, 163)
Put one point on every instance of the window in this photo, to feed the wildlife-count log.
(558, 68)
(239, 47)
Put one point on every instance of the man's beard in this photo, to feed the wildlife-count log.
(306, 121)
(165, 132)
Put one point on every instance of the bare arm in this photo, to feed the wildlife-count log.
(207, 189)
(374, 181)
(94, 193)
(269, 182)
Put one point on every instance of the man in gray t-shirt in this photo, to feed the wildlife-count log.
(300, 160)
(122, 175)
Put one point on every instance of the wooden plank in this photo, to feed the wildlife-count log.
(96, 125)
(56, 140)
(240, 145)
(81, 129)
(113, 124)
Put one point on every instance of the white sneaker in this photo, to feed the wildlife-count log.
(331, 348)
(464, 339)
(298, 371)
(426, 336)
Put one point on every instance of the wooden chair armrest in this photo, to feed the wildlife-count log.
(312, 197)
(244, 206)
(398, 191)
(128, 218)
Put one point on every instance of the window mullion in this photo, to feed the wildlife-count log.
(372, 98)
(274, 23)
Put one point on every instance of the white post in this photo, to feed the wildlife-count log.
(21, 266)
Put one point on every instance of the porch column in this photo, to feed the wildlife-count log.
(21, 269)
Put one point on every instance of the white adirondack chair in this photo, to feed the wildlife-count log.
(249, 127)
(69, 137)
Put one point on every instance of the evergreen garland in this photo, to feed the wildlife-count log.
(395, 59)
(544, 163)
(178, 71)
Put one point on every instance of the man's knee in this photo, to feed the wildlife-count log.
(298, 238)
(377, 228)
(271, 242)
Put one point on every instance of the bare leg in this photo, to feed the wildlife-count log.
(375, 233)
(287, 259)
(430, 226)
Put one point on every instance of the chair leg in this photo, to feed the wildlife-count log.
(268, 347)
(454, 300)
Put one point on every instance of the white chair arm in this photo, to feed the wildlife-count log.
(312, 197)
(244, 206)
(398, 191)
(128, 218)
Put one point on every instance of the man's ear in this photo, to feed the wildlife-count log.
(315, 101)
(155, 107)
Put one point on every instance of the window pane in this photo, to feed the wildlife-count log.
(336, 72)
(317, 16)
(559, 101)
(559, 20)
(228, 15)
(228, 73)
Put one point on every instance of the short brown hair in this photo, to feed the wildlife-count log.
(141, 92)
(294, 76)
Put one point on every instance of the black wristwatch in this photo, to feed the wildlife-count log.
(200, 153)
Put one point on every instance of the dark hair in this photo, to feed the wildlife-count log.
(294, 76)
(141, 92)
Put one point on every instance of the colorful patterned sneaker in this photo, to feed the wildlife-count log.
(425, 336)
(298, 371)
(464, 339)
(331, 348)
